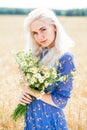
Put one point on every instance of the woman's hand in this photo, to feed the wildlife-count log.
(25, 98)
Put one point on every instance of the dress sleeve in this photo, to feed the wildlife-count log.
(61, 93)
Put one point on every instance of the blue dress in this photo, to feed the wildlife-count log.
(43, 116)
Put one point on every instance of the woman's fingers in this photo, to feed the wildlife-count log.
(25, 99)
(27, 96)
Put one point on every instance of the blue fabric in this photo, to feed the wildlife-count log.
(42, 116)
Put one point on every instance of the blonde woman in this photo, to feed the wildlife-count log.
(50, 42)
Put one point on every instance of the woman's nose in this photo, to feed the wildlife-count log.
(40, 37)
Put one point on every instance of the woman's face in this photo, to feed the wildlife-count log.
(43, 33)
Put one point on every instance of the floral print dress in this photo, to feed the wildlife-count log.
(43, 116)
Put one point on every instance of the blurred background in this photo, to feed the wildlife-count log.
(73, 16)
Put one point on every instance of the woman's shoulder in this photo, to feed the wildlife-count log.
(66, 63)
(66, 56)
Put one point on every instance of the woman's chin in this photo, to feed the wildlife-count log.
(44, 45)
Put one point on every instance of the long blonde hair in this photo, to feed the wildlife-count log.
(62, 42)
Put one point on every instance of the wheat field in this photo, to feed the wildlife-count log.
(11, 39)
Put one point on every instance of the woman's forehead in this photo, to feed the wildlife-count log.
(37, 24)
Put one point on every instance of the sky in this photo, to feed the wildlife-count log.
(53, 4)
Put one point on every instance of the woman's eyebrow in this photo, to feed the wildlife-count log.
(42, 27)
(39, 29)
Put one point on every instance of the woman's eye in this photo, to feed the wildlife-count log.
(34, 33)
(43, 29)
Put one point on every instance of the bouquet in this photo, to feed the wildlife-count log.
(38, 77)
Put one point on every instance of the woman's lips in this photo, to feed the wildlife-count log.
(43, 41)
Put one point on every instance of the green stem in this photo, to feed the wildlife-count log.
(19, 111)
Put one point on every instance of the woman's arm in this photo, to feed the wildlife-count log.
(26, 99)
(62, 93)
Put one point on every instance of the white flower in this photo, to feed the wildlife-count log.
(32, 80)
(34, 70)
(44, 68)
(41, 79)
(46, 74)
(27, 77)
(37, 75)
(46, 84)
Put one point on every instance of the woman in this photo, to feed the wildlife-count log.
(48, 40)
